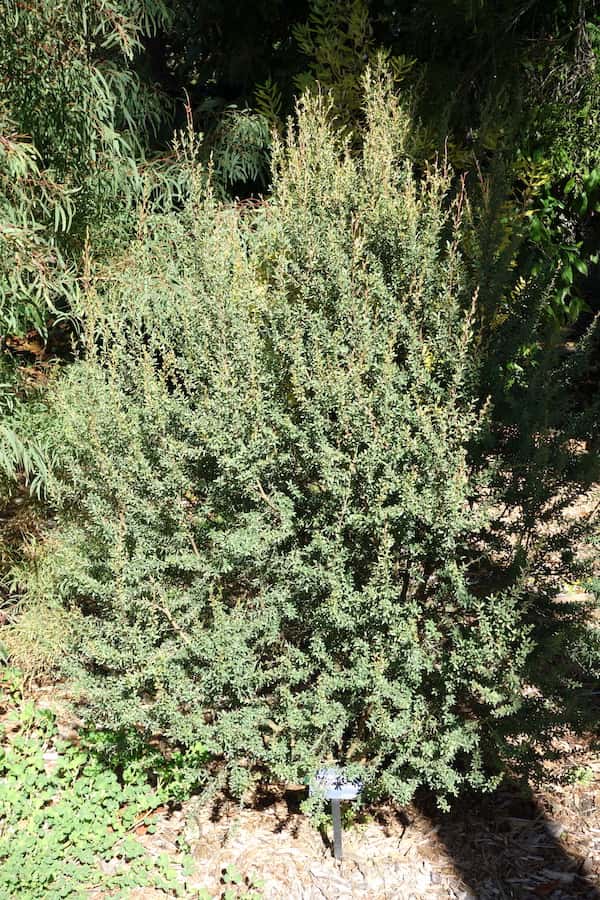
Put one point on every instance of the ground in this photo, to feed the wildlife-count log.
(504, 846)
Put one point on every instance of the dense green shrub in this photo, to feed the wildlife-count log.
(264, 501)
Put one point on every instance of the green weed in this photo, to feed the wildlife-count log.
(67, 819)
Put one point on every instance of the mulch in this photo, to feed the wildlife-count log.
(508, 845)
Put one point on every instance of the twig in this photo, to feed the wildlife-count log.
(177, 628)
(267, 499)
(148, 812)
(591, 515)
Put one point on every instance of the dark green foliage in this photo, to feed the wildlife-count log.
(240, 149)
(263, 486)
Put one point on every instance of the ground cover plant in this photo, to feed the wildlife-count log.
(262, 486)
(69, 812)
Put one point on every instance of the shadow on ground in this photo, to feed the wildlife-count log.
(507, 846)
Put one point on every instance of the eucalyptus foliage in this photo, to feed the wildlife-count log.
(75, 117)
(262, 489)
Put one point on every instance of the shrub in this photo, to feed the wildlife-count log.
(263, 495)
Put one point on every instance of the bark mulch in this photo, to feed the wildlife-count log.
(507, 845)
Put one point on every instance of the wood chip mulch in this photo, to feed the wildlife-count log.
(507, 845)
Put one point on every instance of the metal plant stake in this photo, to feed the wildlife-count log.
(333, 785)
